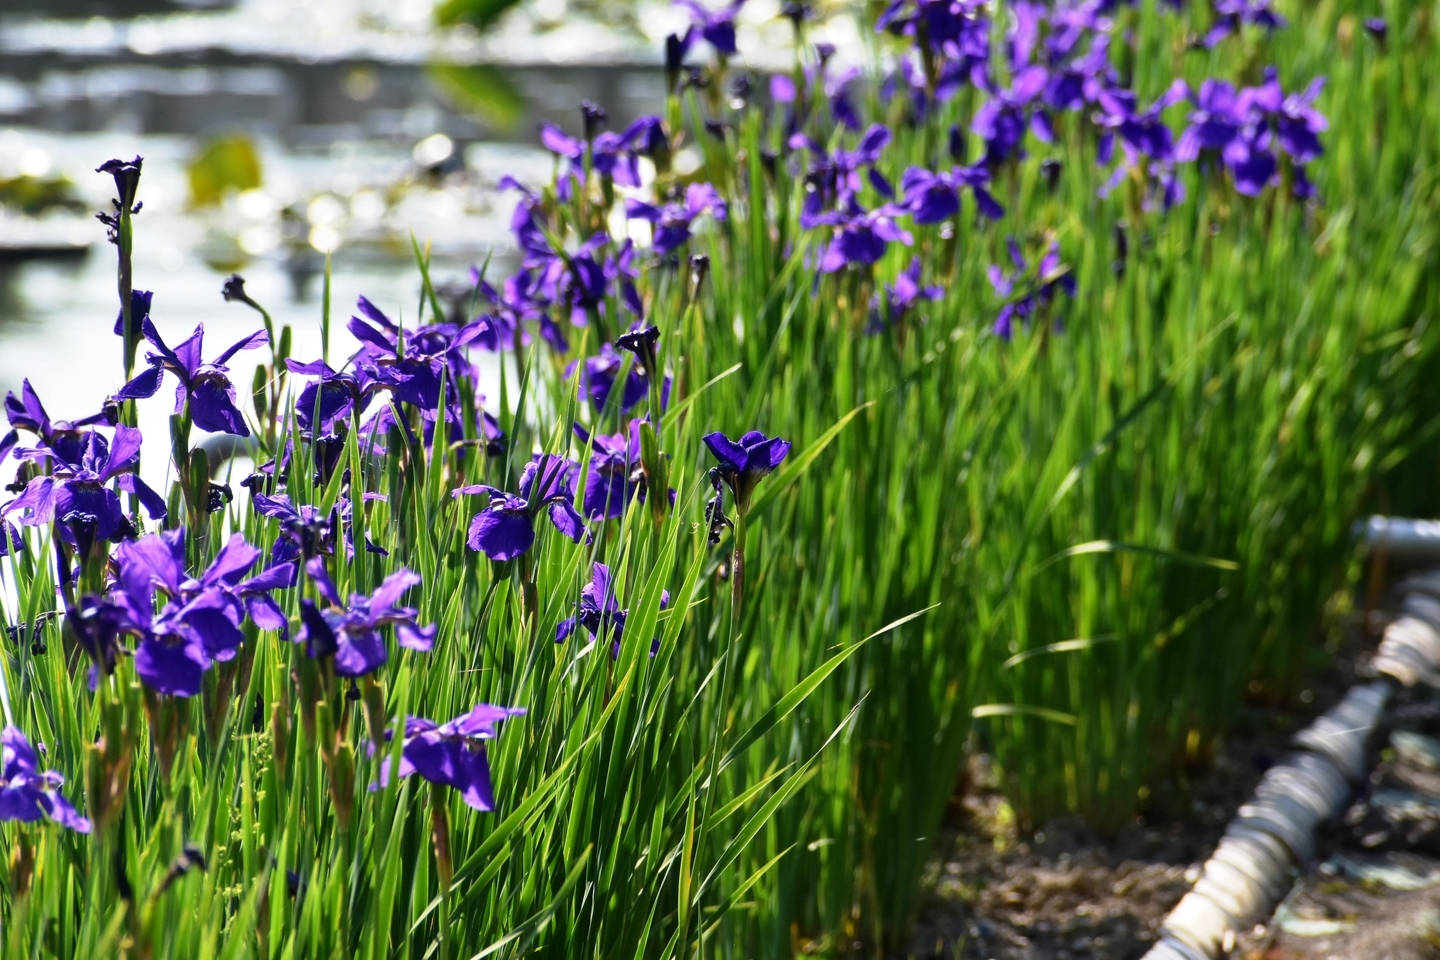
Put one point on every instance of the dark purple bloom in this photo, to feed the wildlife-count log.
(127, 178)
(1001, 122)
(672, 222)
(593, 117)
(598, 375)
(411, 363)
(612, 480)
(1377, 28)
(716, 26)
(26, 794)
(861, 236)
(1216, 120)
(337, 394)
(505, 529)
(641, 342)
(453, 754)
(78, 489)
(747, 461)
(832, 181)
(935, 197)
(1231, 13)
(64, 437)
(599, 612)
(10, 539)
(204, 386)
(1039, 292)
(200, 622)
(1251, 161)
(305, 532)
(158, 560)
(953, 29)
(906, 291)
(97, 623)
(351, 632)
(1145, 133)
(1299, 125)
(140, 301)
(127, 182)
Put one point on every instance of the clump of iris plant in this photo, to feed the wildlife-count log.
(743, 464)
(1029, 296)
(599, 612)
(199, 625)
(672, 221)
(612, 480)
(453, 754)
(75, 494)
(505, 529)
(450, 755)
(204, 391)
(350, 632)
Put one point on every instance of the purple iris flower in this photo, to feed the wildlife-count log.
(26, 794)
(1232, 13)
(10, 539)
(204, 386)
(1083, 80)
(672, 222)
(832, 179)
(934, 197)
(1001, 122)
(611, 481)
(505, 529)
(1143, 133)
(842, 104)
(97, 623)
(861, 236)
(158, 560)
(306, 533)
(1299, 125)
(1251, 161)
(140, 301)
(951, 28)
(599, 612)
(525, 225)
(351, 632)
(902, 296)
(716, 26)
(338, 394)
(200, 622)
(1214, 123)
(1024, 34)
(609, 156)
(598, 375)
(1378, 28)
(78, 489)
(453, 754)
(747, 461)
(1050, 280)
(64, 437)
(519, 299)
(1145, 139)
(411, 363)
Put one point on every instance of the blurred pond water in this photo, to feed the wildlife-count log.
(366, 123)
